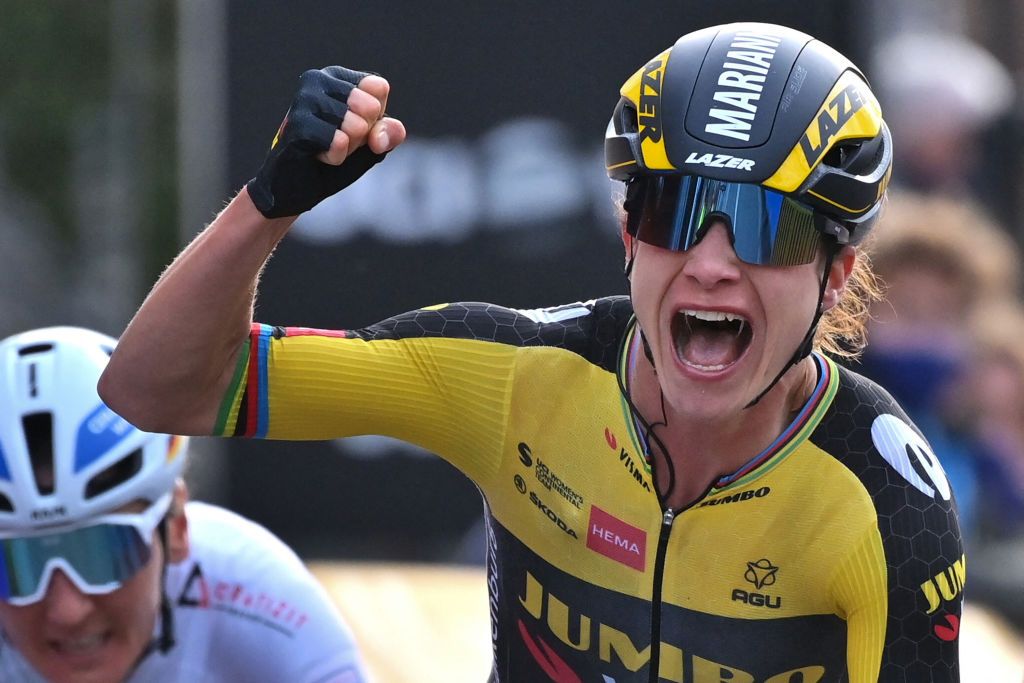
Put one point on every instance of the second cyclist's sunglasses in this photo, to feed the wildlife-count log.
(98, 557)
(767, 228)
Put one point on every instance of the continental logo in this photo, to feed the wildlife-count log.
(831, 119)
(637, 472)
(579, 631)
(946, 585)
(547, 478)
(739, 497)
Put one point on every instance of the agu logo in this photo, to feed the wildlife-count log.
(761, 573)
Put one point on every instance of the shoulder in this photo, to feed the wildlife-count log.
(245, 594)
(218, 533)
(576, 326)
(872, 436)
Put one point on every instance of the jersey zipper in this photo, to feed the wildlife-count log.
(659, 571)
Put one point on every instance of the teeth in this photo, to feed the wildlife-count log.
(714, 316)
(704, 368)
(81, 644)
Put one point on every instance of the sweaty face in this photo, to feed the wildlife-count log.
(74, 637)
(719, 329)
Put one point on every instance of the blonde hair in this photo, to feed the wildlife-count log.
(842, 330)
(951, 235)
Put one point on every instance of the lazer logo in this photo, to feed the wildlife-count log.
(741, 83)
(550, 514)
(648, 114)
(720, 161)
(738, 497)
(847, 103)
(609, 536)
(946, 585)
(580, 632)
(761, 573)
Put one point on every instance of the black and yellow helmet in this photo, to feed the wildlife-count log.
(761, 104)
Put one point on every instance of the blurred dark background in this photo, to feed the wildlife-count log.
(499, 195)
(125, 125)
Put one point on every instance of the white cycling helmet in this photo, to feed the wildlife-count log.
(65, 457)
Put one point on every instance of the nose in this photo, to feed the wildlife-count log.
(64, 604)
(712, 260)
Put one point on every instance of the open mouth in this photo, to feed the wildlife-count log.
(710, 340)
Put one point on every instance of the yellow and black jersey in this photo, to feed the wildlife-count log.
(834, 555)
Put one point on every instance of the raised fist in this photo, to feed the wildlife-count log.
(334, 131)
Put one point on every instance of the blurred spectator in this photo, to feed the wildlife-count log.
(940, 92)
(990, 402)
(939, 258)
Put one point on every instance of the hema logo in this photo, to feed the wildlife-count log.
(615, 539)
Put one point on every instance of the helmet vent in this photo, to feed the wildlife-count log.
(118, 473)
(39, 439)
(35, 348)
(5, 504)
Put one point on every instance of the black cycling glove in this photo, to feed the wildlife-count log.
(292, 179)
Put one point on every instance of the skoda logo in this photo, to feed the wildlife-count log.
(520, 484)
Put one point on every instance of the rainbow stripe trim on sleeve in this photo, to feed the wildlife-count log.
(245, 408)
(254, 411)
(227, 415)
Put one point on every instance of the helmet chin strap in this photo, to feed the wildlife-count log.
(807, 345)
(166, 641)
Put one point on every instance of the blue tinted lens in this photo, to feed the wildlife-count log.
(102, 556)
(766, 227)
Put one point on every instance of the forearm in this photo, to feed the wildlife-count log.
(173, 363)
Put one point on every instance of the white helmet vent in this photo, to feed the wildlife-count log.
(39, 439)
(118, 473)
(34, 348)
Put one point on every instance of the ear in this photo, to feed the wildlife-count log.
(177, 525)
(838, 276)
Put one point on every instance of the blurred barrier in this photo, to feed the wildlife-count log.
(429, 624)
(415, 622)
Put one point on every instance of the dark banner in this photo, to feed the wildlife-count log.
(498, 195)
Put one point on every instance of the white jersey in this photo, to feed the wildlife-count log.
(246, 610)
